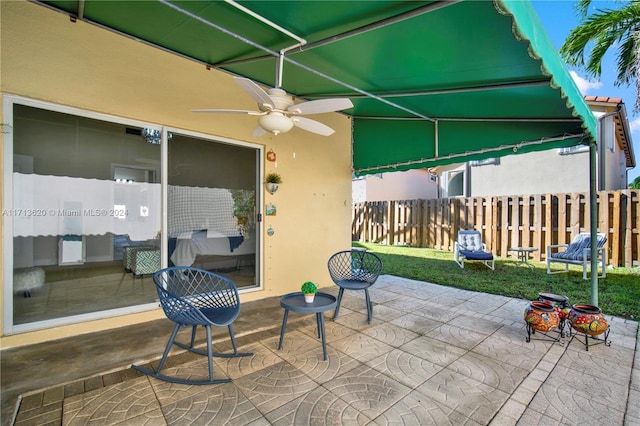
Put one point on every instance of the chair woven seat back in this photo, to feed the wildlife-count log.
(353, 265)
(354, 270)
(193, 296)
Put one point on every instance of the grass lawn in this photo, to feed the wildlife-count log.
(618, 293)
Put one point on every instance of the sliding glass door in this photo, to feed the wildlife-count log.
(211, 208)
(84, 215)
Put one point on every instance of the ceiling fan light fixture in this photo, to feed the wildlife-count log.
(275, 123)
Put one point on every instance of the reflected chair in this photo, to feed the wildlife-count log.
(196, 297)
(354, 270)
(469, 246)
(578, 252)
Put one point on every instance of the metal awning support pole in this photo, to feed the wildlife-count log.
(593, 202)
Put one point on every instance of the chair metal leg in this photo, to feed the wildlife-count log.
(193, 336)
(337, 311)
(168, 348)
(209, 353)
(369, 306)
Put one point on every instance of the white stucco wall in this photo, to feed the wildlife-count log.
(532, 173)
(409, 185)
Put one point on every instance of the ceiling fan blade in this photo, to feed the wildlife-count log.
(312, 126)
(321, 105)
(255, 92)
(259, 131)
(228, 111)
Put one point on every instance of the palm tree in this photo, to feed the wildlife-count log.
(635, 184)
(607, 28)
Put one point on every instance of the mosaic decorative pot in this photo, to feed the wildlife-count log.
(541, 316)
(560, 303)
(588, 319)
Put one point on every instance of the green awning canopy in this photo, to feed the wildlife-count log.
(432, 82)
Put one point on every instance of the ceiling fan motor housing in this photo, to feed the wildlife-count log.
(280, 99)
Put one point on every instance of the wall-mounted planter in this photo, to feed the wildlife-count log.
(272, 187)
(272, 182)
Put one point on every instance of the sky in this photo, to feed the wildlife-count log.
(559, 18)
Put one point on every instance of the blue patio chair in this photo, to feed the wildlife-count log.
(354, 270)
(469, 246)
(195, 297)
(578, 252)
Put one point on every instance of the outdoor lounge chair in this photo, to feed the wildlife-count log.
(577, 253)
(469, 246)
(195, 297)
(354, 270)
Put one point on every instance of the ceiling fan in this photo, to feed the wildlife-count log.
(279, 113)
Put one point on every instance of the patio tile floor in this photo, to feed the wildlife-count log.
(446, 356)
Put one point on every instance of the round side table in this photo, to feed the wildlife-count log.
(295, 302)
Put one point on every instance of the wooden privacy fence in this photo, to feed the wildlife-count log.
(505, 221)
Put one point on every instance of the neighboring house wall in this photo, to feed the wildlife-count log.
(409, 185)
(46, 57)
(554, 170)
(532, 173)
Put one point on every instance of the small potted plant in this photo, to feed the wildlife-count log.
(309, 290)
(272, 181)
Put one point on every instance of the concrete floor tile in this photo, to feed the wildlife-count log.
(512, 410)
(381, 296)
(433, 350)
(633, 404)
(209, 405)
(391, 334)
(457, 336)
(361, 347)
(405, 368)
(367, 390)
(513, 350)
(497, 375)
(436, 312)
(321, 370)
(484, 303)
(195, 370)
(523, 395)
(318, 407)
(476, 324)
(612, 362)
(113, 405)
(417, 410)
(274, 386)
(383, 313)
(262, 357)
(353, 300)
(465, 395)
(334, 330)
(416, 323)
(532, 417)
(354, 320)
(406, 304)
(449, 300)
(294, 342)
(569, 394)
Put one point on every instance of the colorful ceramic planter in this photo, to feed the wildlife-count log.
(588, 319)
(540, 316)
